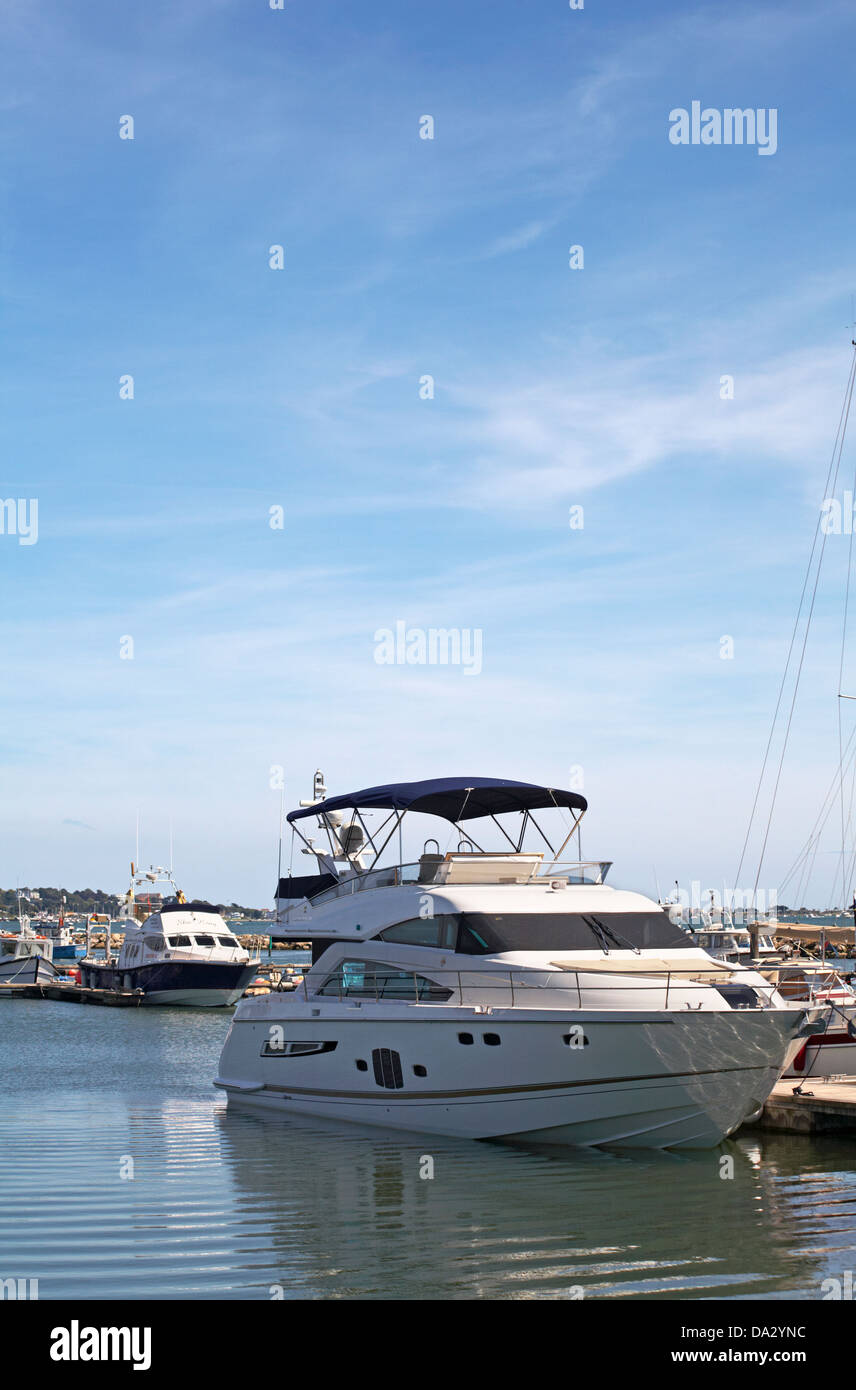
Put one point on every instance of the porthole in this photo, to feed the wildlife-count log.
(420, 1070)
(361, 1065)
(492, 1039)
(466, 1039)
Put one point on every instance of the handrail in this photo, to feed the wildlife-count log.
(479, 984)
(395, 875)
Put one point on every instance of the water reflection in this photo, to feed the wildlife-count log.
(229, 1204)
(349, 1215)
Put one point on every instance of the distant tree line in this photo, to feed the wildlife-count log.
(50, 900)
(86, 900)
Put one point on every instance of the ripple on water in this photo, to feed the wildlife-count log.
(232, 1204)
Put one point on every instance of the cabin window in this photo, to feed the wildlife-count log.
(205, 941)
(436, 932)
(226, 941)
(366, 979)
(739, 996)
(470, 943)
(155, 943)
(180, 941)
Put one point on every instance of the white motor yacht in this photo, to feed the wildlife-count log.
(499, 994)
(181, 953)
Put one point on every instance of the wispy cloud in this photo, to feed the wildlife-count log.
(408, 258)
(519, 240)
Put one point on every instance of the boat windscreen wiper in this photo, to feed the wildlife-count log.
(597, 929)
(615, 937)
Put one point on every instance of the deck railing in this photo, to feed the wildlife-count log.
(519, 989)
(590, 871)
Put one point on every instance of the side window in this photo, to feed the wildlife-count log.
(348, 979)
(438, 932)
(471, 942)
(205, 941)
(363, 979)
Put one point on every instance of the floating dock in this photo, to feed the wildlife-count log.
(75, 994)
(823, 1106)
(270, 977)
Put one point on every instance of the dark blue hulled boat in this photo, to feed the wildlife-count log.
(182, 953)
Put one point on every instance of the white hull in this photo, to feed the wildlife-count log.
(831, 1050)
(27, 970)
(832, 1054)
(659, 1080)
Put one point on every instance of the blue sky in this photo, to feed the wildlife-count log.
(299, 388)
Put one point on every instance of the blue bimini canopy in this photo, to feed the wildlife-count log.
(453, 798)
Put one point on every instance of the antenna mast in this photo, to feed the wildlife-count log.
(279, 856)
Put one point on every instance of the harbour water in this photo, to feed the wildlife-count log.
(132, 1180)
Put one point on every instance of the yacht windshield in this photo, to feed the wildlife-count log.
(568, 931)
(481, 933)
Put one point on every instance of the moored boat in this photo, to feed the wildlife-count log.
(499, 994)
(830, 1049)
(25, 958)
(183, 953)
(60, 934)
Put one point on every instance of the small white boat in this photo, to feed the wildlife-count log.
(830, 1050)
(715, 931)
(725, 943)
(60, 934)
(25, 958)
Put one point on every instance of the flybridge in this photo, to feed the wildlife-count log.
(349, 862)
(454, 799)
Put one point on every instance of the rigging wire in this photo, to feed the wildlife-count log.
(822, 816)
(842, 428)
(842, 697)
(805, 860)
(792, 643)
